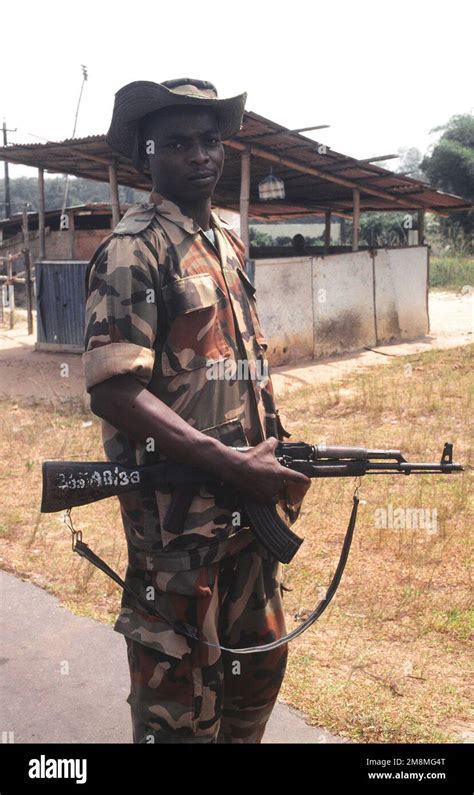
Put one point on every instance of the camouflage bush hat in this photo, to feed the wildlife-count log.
(138, 99)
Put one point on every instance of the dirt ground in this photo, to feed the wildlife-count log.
(29, 374)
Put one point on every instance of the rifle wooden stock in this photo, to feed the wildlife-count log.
(68, 484)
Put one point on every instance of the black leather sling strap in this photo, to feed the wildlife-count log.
(189, 631)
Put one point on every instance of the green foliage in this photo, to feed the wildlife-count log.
(450, 167)
(260, 239)
(459, 623)
(81, 191)
(383, 229)
(453, 273)
(446, 236)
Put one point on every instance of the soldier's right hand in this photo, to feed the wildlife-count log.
(258, 474)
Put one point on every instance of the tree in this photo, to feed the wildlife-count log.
(383, 229)
(409, 162)
(450, 167)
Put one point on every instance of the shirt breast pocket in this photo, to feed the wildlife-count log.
(195, 337)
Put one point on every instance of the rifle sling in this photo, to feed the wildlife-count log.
(182, 628)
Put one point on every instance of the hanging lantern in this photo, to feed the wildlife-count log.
(271, 188)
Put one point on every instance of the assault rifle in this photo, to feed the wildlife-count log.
(67, 484)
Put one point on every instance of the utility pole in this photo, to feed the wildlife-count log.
(66, 183)
(7, 177)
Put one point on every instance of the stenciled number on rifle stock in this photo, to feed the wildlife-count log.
(96, 479)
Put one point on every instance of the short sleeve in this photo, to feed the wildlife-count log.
(121, 312)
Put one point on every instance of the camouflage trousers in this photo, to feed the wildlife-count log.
(204, 695)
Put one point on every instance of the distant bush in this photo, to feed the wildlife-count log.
(452, 273)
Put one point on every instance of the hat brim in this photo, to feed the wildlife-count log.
(138, 99)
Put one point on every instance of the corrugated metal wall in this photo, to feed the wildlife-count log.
(61, 302)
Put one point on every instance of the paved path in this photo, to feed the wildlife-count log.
(65, 678)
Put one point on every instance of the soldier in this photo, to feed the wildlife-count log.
(171, 319)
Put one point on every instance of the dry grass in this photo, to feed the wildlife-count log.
(388, 661)
(37, 546)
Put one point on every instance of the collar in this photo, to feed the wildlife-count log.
(173, 213)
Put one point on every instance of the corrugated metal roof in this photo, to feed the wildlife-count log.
(315, 180)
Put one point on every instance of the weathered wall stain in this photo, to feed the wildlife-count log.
(341, 333)
(388, 327)
(289, 348)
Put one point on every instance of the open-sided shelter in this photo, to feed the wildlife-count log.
(310, 306)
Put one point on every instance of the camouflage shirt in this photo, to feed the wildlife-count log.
(179, 313)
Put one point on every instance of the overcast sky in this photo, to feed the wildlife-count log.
(382, 75)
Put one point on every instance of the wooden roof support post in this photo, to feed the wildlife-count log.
(355, 219)
(421, 227)
(245, 199)
(41, 210)
(11, 290)
(26, 255)
(114, 195)
(327, 231)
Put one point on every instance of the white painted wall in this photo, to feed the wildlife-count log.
(316, 306)
(400, 293)
(285, 307)
(343, 295)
